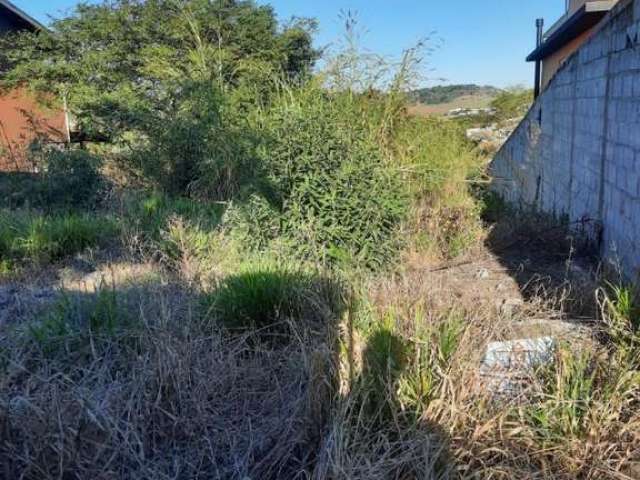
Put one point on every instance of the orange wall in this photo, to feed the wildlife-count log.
(552, 63)
(22, 120)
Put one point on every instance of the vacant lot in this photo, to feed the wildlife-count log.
(259, 272)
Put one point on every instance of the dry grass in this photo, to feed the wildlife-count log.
(164, 397)
(135, 382)
(577, 418)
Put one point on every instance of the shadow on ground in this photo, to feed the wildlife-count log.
(551, 261)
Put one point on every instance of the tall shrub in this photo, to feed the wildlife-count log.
(336, 196)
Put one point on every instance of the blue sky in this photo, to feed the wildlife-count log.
(484, 41)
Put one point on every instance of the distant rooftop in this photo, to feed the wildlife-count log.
(20, 17)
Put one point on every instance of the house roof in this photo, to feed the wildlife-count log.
(29, 22)
(571, 26)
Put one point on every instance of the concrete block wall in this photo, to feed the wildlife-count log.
(577, 152)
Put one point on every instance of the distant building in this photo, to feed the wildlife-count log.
(12, 18)
(566, 35)
(22, 119)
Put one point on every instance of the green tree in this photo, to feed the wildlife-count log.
(123, 64)
(512, 102)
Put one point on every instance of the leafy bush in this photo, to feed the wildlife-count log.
(70, 178)
(201, 149)
(338, 199)
(65, 179)
(44, 238)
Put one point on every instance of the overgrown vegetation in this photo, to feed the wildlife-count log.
(290, 332)
(61, 180)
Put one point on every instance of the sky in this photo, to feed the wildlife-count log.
(478, 41)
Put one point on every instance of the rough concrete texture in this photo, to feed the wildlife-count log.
(577, 152)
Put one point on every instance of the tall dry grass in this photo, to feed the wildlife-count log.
(139, 383)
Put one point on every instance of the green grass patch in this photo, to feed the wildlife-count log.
(267, 297)
(44, 238)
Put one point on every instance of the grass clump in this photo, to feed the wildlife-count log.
(621, 312)
(265, 297)
(45, 238)
(148, 216)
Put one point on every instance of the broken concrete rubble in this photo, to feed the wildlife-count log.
(494, 135)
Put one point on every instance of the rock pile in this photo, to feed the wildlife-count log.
(492, 137)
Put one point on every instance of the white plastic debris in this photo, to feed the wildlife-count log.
(507, 366)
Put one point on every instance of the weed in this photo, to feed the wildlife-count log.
(199, 256)
(569, 391)
(149, 215)
(493, 206)
(338, 200)
(621, 316)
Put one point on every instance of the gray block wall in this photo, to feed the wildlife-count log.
(577, 152)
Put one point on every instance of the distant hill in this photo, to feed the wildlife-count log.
(448, 93)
